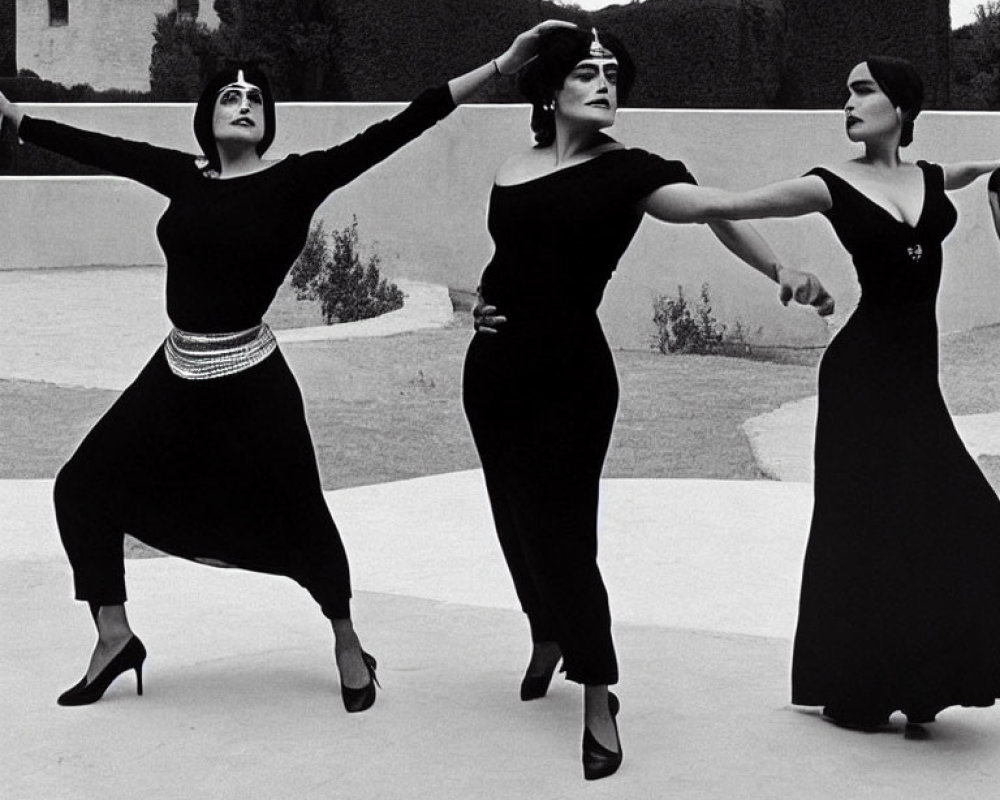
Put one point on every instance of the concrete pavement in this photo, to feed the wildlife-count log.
(241, 695)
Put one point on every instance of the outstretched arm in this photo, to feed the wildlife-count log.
(743, 240)
(682, 202)
(995, 210)
(957, 176)
(323, 171)
(156, 167)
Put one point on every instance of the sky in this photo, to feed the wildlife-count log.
(961, 10)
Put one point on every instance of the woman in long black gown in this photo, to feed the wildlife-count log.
(900, 601)
(540, 388)
(207, 455)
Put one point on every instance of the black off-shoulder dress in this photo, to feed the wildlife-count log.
(900, 601)
(221, 469)
(541, 394)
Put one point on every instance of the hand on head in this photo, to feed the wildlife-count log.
(525, 47)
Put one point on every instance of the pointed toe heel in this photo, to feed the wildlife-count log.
(129, 657)
(357, 700)
(598, 761)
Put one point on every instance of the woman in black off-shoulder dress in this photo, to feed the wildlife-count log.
(540, 388)
(900, 599)
(207, 455)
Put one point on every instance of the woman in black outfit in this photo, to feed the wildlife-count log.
(206, 455)
(540, 388)
(900, 602)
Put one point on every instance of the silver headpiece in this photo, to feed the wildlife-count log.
(239, 83)
(598, 50)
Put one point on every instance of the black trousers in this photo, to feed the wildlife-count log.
(220, 470)
(541, 407)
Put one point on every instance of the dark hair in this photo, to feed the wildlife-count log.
(205, 110)
(559, 51)
(901, 82)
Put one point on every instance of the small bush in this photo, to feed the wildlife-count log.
(684, 327)
(346, 288)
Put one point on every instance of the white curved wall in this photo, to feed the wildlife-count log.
(425, 207)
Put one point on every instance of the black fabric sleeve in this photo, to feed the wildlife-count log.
(155, 167)
(994, 184)
(649, 172)
(832, 186)
(935, 174)
(322, 171)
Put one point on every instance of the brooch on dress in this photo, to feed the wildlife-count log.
(915, 251)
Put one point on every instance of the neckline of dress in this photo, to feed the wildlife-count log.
(559, 171)
(219, 179)
(882, 208)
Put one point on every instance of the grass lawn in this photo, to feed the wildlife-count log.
(390, 408)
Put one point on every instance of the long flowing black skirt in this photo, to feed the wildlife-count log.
(219, 470)
(900, 602)
(541, 404)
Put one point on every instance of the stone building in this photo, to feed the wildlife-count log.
(106, 43)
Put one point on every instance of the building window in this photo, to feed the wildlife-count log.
(187, 9)
(58, 13)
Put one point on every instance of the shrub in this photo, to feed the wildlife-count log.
(185, 55)
(683, 327)
(346, 288)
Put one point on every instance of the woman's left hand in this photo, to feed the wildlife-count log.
(525, 46)
(804, 288)
(485, 317)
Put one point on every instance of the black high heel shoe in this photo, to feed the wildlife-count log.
(129, 657)
(536, 686)
(356, 700)
(598, 761)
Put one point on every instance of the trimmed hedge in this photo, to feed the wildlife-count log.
(703, 53)
(827, 38)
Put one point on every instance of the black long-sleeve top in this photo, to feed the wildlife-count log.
(230, 242)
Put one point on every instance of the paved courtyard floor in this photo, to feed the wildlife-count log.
(241, 697)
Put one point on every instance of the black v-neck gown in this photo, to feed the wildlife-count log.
(219, 470)
(900, 601)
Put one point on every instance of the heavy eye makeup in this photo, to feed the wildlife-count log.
(234, 96)
(862, 87)
(589, 72)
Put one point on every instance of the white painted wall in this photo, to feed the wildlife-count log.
(425, 207)
(107, 43)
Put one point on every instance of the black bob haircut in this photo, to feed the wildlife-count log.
(558, 52)
(902, 84)
(205, 110)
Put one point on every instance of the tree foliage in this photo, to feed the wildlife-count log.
(348, 288)
(294, 40)
(185, 55)
(975, 61)
(8, 40)
(686, 327)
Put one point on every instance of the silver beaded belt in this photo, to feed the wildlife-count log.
(203, 356)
